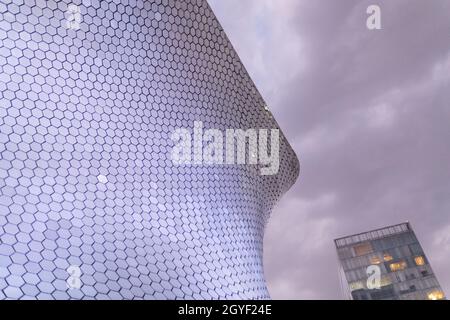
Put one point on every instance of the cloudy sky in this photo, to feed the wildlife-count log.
(368, 114)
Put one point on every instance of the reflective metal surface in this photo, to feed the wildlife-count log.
(91, 205)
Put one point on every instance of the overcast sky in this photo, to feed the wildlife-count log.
(368, 114)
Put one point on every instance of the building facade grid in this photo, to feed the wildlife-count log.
(387, 263)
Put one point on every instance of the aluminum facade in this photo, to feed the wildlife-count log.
(91, 207)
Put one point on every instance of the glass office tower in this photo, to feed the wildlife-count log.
(386, 264)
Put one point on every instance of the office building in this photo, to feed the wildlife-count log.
(386, 264)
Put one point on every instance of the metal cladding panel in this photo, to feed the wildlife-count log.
(91, 205)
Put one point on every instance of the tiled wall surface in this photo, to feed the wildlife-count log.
(91, 205)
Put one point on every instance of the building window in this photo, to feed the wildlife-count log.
(410, 276)
(420, 261)
(375, 260)
(408, 290)
(357, 285)
(385, 281)
(387, 257)
(416, 249)
(436, 295)
(396, 266)
(383, 293)
(362, 249)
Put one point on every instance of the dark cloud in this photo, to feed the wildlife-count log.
(368, 113)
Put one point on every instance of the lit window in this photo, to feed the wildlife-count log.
(375, 260)
(436, 295)
(356, 285)
(398, 266)
(387, 257)
(363, 249)
(420, 261)
(385, 281)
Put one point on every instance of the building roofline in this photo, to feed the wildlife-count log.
(378, 229)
